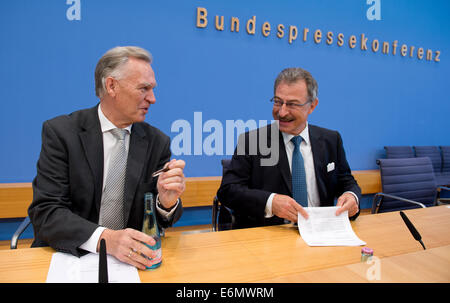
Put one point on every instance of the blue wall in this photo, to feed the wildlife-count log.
(374, 99)
(47, 66)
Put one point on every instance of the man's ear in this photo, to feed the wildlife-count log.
(313, 105)
(111, 86)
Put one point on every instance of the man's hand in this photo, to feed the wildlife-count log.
(127, 245)
(171, 184)
(347, 202)
(287, 208)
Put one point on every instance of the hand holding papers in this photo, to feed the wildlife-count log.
(324, 228)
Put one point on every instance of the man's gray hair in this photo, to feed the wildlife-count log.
(111, 63)
(293, 74)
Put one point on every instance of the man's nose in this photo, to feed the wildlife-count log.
(150, 97)
(283, 111)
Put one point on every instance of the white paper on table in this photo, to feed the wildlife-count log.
(65, 268)
(324, 228)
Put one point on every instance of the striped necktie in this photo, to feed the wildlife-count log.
(111, 209)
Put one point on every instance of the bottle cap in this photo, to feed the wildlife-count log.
(367, 251)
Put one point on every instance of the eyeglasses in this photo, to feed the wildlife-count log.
(277, 102)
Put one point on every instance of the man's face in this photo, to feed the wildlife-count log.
(133, 93)
(292, 120)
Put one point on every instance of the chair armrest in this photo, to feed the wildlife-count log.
(231, 213)
(19, 231)
(215, 208)
(438, 197)
(380, 196)
(439, 188)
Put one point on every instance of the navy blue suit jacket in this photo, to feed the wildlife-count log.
(246, 184)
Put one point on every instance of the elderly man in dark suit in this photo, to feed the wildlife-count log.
(96, 165)
(310, 168)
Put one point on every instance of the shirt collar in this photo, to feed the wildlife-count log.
(304, 134)
(107, 125)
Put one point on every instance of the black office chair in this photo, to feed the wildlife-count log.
(434, 154)
(19, 231)
(445, 159)
(431, 152)
(445, 174)
(444, 178)
(406, 183)
(222, 216)
(394, 152)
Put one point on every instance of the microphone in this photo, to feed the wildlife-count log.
(412, 229)
(102, 263)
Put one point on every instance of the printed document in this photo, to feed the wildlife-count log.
(324, 228)
(65, 268)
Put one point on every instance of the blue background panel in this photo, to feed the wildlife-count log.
(373, 99)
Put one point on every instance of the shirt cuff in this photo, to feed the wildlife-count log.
(163, 212)
(356, 197)
(91, 244)
(268, 211)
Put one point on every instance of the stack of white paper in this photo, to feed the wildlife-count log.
(65, 268)
(324, 228)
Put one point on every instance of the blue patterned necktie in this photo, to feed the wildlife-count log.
(111, 209)
(299, 190)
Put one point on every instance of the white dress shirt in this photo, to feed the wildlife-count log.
(311, 183)
(108, 143)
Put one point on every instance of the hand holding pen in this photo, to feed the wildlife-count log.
(171, 182)
(160, 171)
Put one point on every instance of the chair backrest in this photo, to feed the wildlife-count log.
(433, 153)
(225, 165)
(445, 159)
(222, 216)
(394, 152)
(409, 178)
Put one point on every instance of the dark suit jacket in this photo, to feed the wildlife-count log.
(68, 186)
(246, 185)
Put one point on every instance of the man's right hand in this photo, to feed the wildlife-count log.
(127, 245)
(287, 208)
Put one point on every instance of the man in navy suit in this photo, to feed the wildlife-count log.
(70, 204)
(261, 194)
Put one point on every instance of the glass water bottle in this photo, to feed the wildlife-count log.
(150, 227)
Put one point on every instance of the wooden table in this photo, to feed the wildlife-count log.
(425, 266)
(278, 254)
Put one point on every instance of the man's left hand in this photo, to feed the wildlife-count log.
(347, 202)
(171, 184)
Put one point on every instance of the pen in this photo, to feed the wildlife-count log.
(162, 170)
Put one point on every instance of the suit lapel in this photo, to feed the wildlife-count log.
(92, 142)
(137, 154)
(283, 164)
(318, 152)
